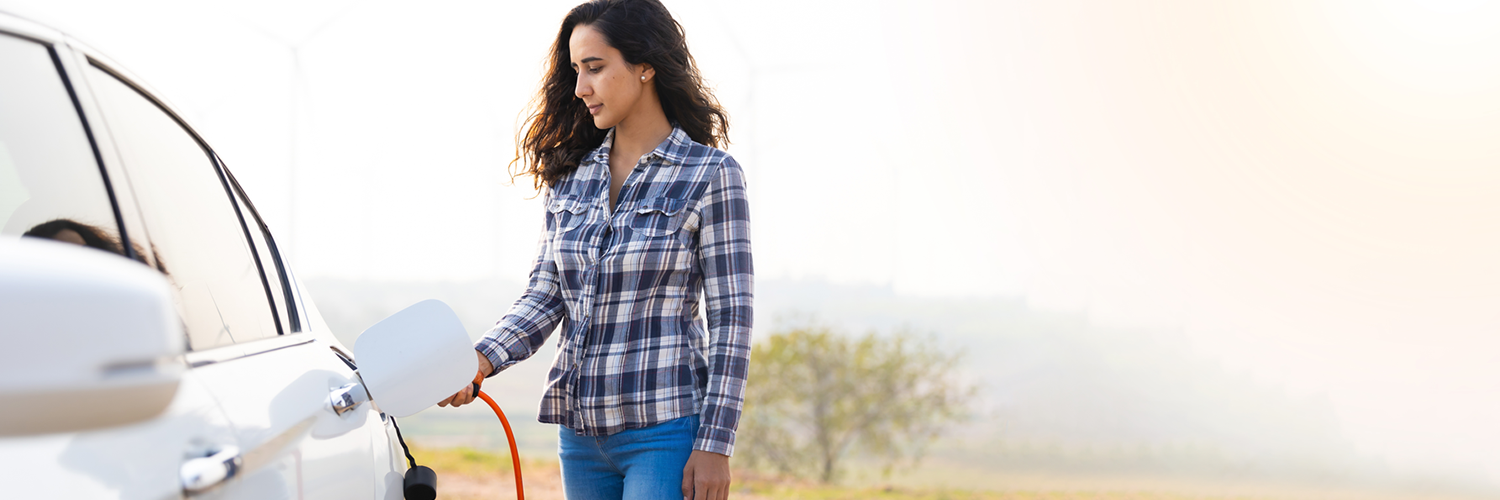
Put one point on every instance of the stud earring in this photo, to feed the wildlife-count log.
(643, 78)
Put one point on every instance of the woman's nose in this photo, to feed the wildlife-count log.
(581, 88)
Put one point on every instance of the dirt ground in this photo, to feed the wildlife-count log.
(468, 474)
(541, 482)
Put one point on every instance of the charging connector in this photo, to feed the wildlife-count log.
(420, 482)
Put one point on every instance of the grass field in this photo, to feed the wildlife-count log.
(470, 474)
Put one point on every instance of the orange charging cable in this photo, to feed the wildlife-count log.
(515, 458)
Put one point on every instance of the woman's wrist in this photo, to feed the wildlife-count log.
(485, 367)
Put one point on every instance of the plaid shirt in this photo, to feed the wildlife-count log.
(625, 286)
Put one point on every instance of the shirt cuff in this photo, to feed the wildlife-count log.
(499, 357)
(715, 439)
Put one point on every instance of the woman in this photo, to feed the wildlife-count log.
(644, 215)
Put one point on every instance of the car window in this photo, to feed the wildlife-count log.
(50, 182)
(193, 226)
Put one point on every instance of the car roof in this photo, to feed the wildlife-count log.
(18, 24)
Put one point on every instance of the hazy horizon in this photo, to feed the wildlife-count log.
(1061, 401)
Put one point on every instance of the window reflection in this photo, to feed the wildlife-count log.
(50, 184)
(77, 233)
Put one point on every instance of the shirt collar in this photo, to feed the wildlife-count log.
(674, 149)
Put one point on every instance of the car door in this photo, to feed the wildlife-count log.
(53, 186)
(271, 380)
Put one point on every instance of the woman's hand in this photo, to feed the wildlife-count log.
(706, 476)
(467, 395)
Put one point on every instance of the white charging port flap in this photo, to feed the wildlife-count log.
(415, 358)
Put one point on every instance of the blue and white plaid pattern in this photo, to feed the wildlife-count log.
(625, 287)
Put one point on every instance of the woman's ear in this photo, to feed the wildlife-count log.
(647, 72)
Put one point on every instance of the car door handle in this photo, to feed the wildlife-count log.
(202, 474)
(346, 398)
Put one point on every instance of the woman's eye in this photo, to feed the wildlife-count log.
(595, 69)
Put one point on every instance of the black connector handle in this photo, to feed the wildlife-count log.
(420, 483)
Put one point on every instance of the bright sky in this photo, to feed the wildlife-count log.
(1305, 187)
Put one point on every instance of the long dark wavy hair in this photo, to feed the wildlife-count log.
(560, 131)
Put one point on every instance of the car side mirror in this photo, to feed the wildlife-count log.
(88, 339)
(414, 358)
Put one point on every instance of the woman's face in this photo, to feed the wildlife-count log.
(610, 87)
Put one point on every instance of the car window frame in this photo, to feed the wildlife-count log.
(293, 319)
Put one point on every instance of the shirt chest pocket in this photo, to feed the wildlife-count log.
(658, 216)
(569, 212)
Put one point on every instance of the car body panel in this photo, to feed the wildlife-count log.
(283, 422)
(130, 462)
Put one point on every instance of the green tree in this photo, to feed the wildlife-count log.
(815, 396)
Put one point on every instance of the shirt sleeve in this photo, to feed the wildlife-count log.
(525, 328)
(728, 283)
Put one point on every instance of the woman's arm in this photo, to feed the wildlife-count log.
(526, 327)
(728, 284)
(532, 318)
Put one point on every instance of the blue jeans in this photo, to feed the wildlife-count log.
(637, 464)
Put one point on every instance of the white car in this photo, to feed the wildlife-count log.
(155, 344)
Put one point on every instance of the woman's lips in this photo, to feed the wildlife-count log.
(594, 110)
